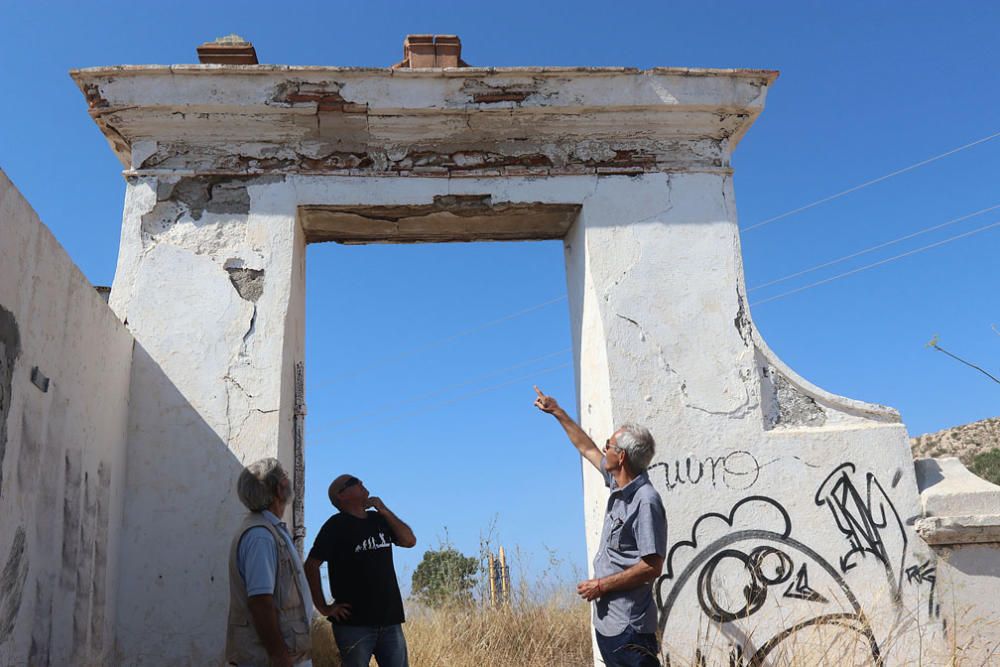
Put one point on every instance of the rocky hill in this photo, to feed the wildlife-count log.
(963, 441)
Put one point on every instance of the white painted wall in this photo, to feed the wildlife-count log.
(62, 451)
(790, 510)
(211, 392)
(662, 338)
(750, 459)
(962, 523)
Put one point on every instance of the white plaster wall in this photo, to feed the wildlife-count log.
(662, 337)
(62, 451)
(210, 388)
(962, 522)
(758, 469)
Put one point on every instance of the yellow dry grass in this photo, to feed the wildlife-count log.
(552, 633)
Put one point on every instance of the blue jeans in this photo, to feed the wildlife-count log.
(629, 649)
(358, 643)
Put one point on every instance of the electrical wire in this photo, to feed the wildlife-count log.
(873, 248)
(327, 425)
(406, 354)
(873, 181)
(462, 397)
(875, 264)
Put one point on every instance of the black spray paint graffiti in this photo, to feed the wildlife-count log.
(759, 565)
(738, 470)
(867, 522)
(925, 573)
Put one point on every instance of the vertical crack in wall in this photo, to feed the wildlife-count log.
(249, 284)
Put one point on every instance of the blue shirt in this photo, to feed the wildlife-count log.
(635, 525)
(257, 561)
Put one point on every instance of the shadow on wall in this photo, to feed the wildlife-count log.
(182, 507)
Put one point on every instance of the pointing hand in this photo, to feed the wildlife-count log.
(545, 403)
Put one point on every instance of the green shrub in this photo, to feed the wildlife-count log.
(444, 576)
(987, 465)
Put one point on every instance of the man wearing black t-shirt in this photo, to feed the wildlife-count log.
(356, 544)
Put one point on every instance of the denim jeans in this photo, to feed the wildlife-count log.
(358, 643)
(629, 649)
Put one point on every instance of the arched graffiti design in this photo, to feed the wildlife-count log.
(764, 566)
(739, 570)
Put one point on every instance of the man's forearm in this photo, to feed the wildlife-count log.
(638, 575)
(265, 621)
(315, 583)
(402, 532)
(583, 443)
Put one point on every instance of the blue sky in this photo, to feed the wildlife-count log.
(865, 89)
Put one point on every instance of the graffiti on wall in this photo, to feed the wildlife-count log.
(751, 563)
(737, 470)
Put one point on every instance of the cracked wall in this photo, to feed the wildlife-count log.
(753, 463)
(62, 449)
(768, 481)
(204, 283)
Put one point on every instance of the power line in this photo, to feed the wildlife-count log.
(873, 248)
(871, 182)
(406, 354)
(873, 265)
(327, 425)
(401, 415)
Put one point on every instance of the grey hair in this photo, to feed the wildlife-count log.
(638, 443)
(259, 482)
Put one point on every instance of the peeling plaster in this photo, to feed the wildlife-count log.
(794, 407)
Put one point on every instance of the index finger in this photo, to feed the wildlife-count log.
(538, 391)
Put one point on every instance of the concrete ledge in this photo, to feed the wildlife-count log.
(959, 507)
(946, 530)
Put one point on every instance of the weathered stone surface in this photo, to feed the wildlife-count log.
(401, 122)
(59, 561)
(786, 503)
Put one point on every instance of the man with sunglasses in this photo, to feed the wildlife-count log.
(356, 543)
(633, 542)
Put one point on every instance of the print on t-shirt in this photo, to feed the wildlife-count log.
(371, 543)
(358, 554)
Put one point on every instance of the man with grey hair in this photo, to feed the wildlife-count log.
(269, 603)
(633, 542)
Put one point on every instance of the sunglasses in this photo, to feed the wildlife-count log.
(353, 481)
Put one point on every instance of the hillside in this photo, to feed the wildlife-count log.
(964, 441)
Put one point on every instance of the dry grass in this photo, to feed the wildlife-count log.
(554, 633)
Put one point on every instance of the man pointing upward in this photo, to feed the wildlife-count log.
(633, 542)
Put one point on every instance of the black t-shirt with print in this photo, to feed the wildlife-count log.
(358, 553)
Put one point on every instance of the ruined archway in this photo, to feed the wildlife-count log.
(232, 170)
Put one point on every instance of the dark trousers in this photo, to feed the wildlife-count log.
(629, 649)
(358, 643)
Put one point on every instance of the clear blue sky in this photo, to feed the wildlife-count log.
(865, 88)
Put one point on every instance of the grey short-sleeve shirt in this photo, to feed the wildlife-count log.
(635, 525)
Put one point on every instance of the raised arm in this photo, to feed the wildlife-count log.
(402, 533)
(576, 435)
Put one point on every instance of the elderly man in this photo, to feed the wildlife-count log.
(269, 605)
(356, 544)
(633, 542)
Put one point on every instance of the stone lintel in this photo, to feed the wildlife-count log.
(448, 219)
(353, 121)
